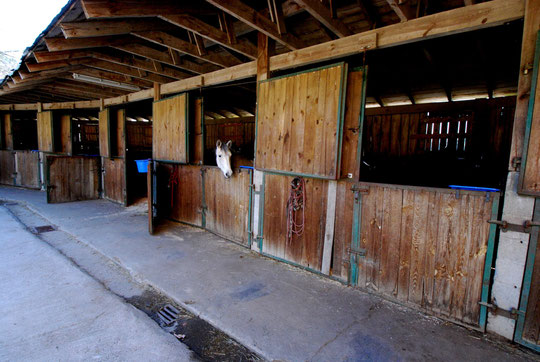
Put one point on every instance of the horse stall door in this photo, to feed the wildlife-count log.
(306, 247)
(425, 247)
(226, 204)
(72, 178)
(7, 167)
(114, 188)
(27, 169)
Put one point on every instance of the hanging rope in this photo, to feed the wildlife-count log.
(174, 178)
(295, 206)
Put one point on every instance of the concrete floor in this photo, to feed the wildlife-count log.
(278, 311)
(52, 311)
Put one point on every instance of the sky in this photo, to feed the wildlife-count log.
(21, 21)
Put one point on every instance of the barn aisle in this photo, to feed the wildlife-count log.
(279, 312)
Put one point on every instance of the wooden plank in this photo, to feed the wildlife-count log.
(198, 142)
(405, 244)
(104, 133)
(7, 167)
(65, 134)
(120, 133)
(169, 129)
(318, 131)
(418, 247)
(353, 106)
(114, 180)
(329, 233)
(323, 14)
(391, 231)
(7, 134)
(45, 131)
(531, 327)
(186, 201)
(342, 231)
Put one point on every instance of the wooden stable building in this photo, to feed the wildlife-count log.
(391, 145)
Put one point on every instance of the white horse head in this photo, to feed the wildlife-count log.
(223, 157)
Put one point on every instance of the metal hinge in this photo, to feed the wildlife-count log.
(516, 163)
(359, 252)
(513, 313)
(506, 226)
(361, 190)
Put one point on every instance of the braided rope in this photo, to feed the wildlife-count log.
(296, 203)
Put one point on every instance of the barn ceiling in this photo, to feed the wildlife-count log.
(103, 48)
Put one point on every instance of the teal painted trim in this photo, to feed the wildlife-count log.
(291, 173)
(528, 123)
(527, 281)
(203, 199)
(488, 264)
(361, 119)
(250, 208)
(340, 118)
(186, 125)
(260, 235)
(355, 239)
(303, 72)
(304, 268)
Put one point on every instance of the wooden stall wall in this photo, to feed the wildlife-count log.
(6, 136)
(104, 139)
(27, 169)
(72, 178)
(424, 247)
(7, 167)
(45, 131)
(62, 134)
(170, 129)
(299, 122)
(197, 150)
(179, 193)
(226, 204)
(114, 188)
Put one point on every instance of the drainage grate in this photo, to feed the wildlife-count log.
(43, 229)
(168, 314)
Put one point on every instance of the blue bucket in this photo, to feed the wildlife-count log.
(142, 166)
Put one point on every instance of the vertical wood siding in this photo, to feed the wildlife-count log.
(298, 122)
(305, 250)
(45, 131)
(7, 167)
(7, 132)
(104, 142)
(114, 179)
(27, 169)
(227, 204)
(531, 176)
(169, 129)
(351, 123)
(72, 178)
(424, 247)
(531, 328)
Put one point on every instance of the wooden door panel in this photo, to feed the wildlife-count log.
(72, 178)
(170, 132)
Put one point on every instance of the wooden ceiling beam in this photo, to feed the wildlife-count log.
(76, 85)
(165, 57)
(46, 56)
(226, 26)
(403, 11)
(107, 27)
(169, 41)
(83, 89)
(61, 44)
(178, 15)
(323, 14)
(257, 21)
(38, 67)
(143, 8)
(369, 12)
(26, 76)
(129, 71)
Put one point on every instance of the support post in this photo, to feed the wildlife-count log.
(265, 50)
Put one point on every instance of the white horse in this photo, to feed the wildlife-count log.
(223, 157)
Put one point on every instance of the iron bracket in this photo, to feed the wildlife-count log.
(506, 226)
(494, 309)
(362, 190)
(359, 252)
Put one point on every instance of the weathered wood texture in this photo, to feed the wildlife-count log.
(531, 175)
(114, 179)
(306, 249)
(197, 149)
(45, 131)
(139, 136)
(343, 230)
(241, 132)
(7, 134)
(72, 178)
(7, 167)
(119, 133)
(180, 193)
(351, 125)
(27, 169)
(227, 204)
(169, 129)
(531, 328)
(425, 247)
(63, 143)
(299, 121)
(104, 140)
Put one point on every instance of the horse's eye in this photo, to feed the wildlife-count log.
(219, 156)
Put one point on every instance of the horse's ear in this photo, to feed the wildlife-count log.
(229, 144)
(218, 144)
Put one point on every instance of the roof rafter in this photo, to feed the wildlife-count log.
(403, 11)
(323, 15)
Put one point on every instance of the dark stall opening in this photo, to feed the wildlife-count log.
(24, 130)
(443, 114)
